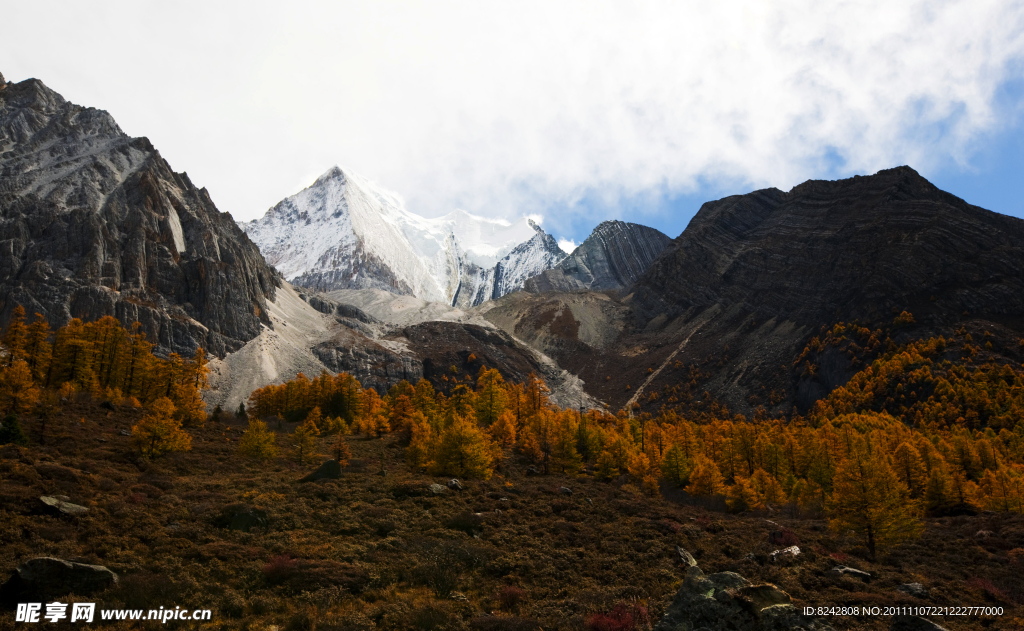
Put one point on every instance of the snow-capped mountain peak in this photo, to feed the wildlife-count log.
(345, 231)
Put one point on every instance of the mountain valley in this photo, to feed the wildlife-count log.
(343, 415)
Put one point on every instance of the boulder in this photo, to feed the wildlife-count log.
(726, 600)
(686, 558)
(58, 505)
(759, 597)
(329, 470)
(455, 485)
(843, 570)
(437, 489)
(532, 470)
(914, 589)
(43, 578)
(565, 490)
(785, 553)
(913, 623)
(243, 518)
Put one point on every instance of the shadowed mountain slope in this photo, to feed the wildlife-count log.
(95, 223)
(730, 304)
(614, 255)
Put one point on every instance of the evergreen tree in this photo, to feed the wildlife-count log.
(11, 432)
(675, 467)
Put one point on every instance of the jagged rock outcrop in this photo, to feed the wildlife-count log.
(727, 601)
(95, 223)
(614, 255)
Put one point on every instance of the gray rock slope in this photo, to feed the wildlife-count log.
(614, 255)
(95, 223)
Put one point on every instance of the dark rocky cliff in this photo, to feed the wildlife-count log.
(95, 223)
(614, 255)
(728, 306)
(857, 249)
(754, 276)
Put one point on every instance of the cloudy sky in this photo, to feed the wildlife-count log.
(578, 111)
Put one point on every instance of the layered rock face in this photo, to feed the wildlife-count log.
(857, 248)
(614, 255)
(755, 276)
(729, 304)
(95, 223)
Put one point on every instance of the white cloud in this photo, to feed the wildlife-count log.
(567, 245)
(510, 108)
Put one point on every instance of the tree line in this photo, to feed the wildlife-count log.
(913, 433)
(40, 368)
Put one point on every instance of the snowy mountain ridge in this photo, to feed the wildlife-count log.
(346, 232)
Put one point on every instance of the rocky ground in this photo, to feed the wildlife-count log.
(380, 548)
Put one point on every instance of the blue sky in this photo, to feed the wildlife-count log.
(576, 110)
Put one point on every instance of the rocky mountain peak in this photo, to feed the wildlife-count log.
(614, 255)
(346, 232)
(96, 223)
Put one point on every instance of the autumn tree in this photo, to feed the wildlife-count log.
(18, 392)
(462, 450)
(340, 451)
(159, 432)
(491, 398)
(870, 500)
(705, 478)
(16, 337)
(258, 442)
(37, 349)
(303, 440)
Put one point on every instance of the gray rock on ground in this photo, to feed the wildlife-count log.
(843, 570)
(914, 589)
(786, 553)
(43, 578)
(58, 505)
(437, 489)
(726, 600)
(455, 485)
(685, 557)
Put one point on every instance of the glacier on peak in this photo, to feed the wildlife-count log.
(347, 232)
